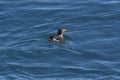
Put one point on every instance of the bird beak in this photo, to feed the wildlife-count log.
(65, 30)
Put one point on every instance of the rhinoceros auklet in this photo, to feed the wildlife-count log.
(59, 36)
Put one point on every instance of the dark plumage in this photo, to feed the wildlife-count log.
(59, 36)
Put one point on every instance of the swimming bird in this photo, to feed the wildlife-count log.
(59, 36)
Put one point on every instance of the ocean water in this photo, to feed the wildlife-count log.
(90, 50)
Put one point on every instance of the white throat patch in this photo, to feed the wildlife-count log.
(61, 35)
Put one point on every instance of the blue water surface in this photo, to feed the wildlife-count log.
(90, 50)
